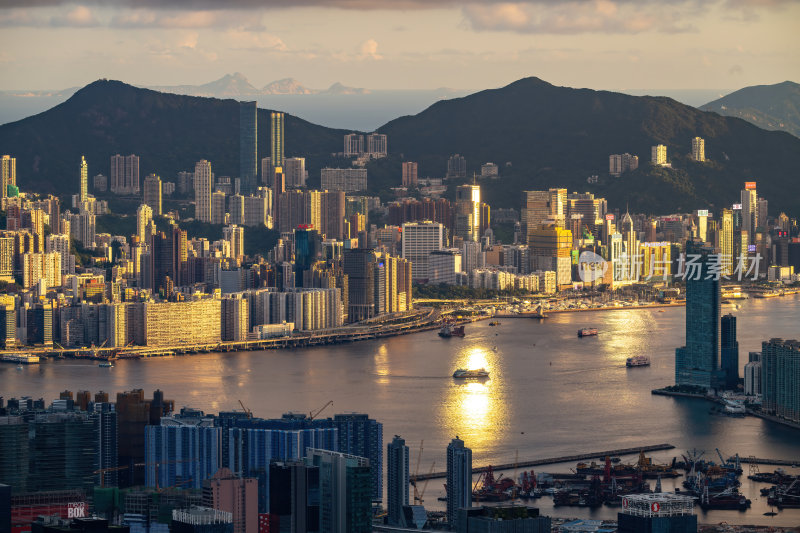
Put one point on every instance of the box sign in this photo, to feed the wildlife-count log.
(610, 216)
(737, 206)
(76, 510)
(702, 212)
(750, 185)
(751, 248)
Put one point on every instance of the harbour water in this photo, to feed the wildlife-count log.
(550, 393)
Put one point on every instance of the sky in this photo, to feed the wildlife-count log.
(402, 44)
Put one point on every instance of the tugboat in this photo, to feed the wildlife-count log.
(463, 373)
(639, 360)
(448, 330)
(587, 332)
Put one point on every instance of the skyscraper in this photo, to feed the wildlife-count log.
(8, 174)
(726, 242)
(152, 193)
(750, 222)
(276, 140)
(125, 174)
(698, 362)
(248, 146)
(729, 351)
(362, 436)
(459, 480)
(419, 240)
(203, 179)
(780, 378)
(84, 179)
(376, 145)
(456, 166)
(468, 212)
(698, 149)
(353, 144)
(344, 495)
(409, 177)
(396, 480)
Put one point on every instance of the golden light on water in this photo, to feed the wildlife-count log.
(475, 410)
(381, 361)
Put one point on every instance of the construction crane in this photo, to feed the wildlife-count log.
(103, 471)
(246, 410)
(417, 497)
(425, 485)
(314, 414)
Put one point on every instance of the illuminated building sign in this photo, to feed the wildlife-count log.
(750, 185)
(610, 216)
(702, 212)
(737, 206)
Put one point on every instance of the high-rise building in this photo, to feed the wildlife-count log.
(362, 436)
(276, 140)
(468, 212)
(353, 144)
(409, 178)
(658, 155)
(397, 480)
(456, 166)
(698, 149)
(749, 199)
(105, 417)
(780, 378)
(726, 242)
(550, 250)
(752, 375)
(293, 496)
(294, 168)
(376, 145)
(248, 146)
(658, 512)
(344, 179)
(698, 362)
(459, 480)
(729, 351)
(419, 240)
(345, 495)
(203, 182)
(152, 193)
(621, 163)
(8, 174)
(236, 495)
(191, 451)
(84, 192)
(125, 174)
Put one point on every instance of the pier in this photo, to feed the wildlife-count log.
(562, 459)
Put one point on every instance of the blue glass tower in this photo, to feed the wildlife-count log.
(397, 480)
(729, 352)
(459, 480)
(248, 146)
(698, 362)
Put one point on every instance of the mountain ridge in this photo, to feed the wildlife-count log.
(771, 107)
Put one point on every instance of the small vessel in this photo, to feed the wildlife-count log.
(20, 358)
(587, 332)
(448, 330)
(106, 364)
(494, 323)
(494, 348)
(463, 373)
(638, 360)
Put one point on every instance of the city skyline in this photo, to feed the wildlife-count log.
(721, 45)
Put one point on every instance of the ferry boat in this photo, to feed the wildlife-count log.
(20, 358)
(463, 373)
(587, 332)
(448, 330)
(106, 364)
(767, 294)
(639, 360)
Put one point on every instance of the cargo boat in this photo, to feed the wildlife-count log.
(463, 373)
(587, 332)
(449, 330)
(20, 358)
(639, 360)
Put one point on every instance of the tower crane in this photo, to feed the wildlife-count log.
(314, 414)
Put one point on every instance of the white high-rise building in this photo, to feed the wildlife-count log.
(419, 240)
(376, 145)
(294, 170)
(698, 149)
(203, 181)
(235, 235)
(84, 180)
(144, 215)
(353, 144)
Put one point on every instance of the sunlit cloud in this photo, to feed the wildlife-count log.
(369, 50)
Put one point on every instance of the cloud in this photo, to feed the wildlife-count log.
(369, 50)
(572, 17)
(77, 17)
(143, 18)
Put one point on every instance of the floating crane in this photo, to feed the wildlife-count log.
(417, 495)
(314, 414)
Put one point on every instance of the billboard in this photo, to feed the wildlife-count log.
(737, 206)
(702, 212)
(750, 185)
(751, 248)
(610, 216)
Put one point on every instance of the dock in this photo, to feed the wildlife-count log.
(760, 461)
(562, 459)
